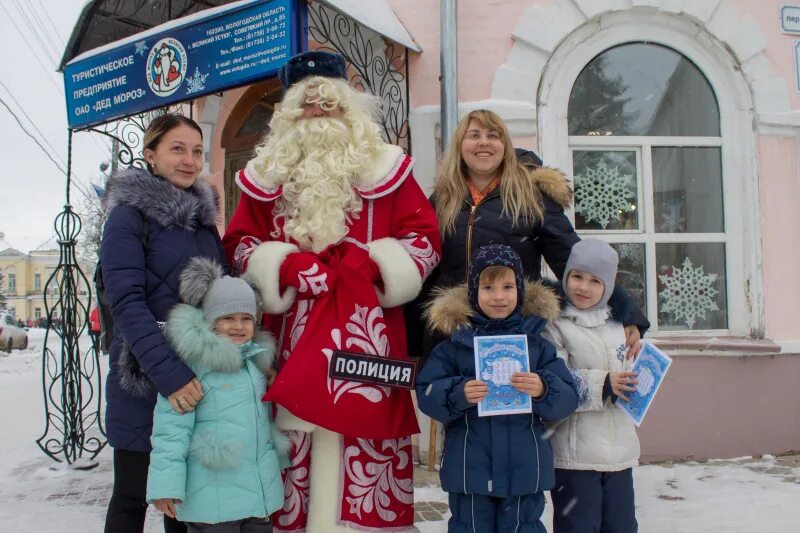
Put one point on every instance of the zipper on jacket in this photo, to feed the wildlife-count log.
(253, 387)
(470, 222)
(464, 463)
(536, 442)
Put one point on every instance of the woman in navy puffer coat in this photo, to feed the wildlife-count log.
(158, 219)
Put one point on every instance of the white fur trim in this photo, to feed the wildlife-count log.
(387, 163)
(401, 278)
(264, 269)
(286, 421)
(325, 483)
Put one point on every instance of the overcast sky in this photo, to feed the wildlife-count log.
(32, 190)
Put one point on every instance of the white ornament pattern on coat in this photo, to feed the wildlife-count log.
(296, 485)
(374, 479)
(370, 338)
(301, 313)
(311, 280)
(242, 253)
(421, 251)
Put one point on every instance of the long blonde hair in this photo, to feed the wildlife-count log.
(521, 198)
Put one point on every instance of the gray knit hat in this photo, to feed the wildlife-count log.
(203, 285)
(597, 258)
(227, 296)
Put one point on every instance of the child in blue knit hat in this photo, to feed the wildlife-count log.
(217, 468)
(495, 468)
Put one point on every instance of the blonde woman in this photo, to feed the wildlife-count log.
(486, 192)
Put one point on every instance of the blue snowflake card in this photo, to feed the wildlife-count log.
(651, 367)
(496, 359)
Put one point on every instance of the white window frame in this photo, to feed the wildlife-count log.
(646, 233)
(737, 142)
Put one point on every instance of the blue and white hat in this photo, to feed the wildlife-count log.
(494, 255)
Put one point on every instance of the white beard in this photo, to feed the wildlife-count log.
(319, 199)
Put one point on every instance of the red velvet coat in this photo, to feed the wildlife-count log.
(397, 228)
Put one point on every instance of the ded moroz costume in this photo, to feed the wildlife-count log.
(336, 234)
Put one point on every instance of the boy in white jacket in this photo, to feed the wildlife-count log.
(596, 448)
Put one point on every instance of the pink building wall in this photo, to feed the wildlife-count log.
(723, 407)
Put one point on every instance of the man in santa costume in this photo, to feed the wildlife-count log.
(336, 234)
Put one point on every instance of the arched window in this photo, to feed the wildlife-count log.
(646, 148)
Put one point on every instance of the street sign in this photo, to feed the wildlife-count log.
(790, 19)
(179, 61)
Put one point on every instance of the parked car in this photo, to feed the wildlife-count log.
(11, 335)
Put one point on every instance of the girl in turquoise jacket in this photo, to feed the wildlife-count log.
(217, 465)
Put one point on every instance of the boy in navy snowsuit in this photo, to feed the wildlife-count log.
(495, 468)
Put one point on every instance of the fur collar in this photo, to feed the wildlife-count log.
(202, 349)
(554, 184)
(168, 205)
(588, 318)
(449, 309)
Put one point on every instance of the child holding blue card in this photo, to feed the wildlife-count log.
(495, 467)
(596, 448)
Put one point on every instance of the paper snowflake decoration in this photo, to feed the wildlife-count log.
(141, 48)
(602, 194)
(688, 293)
(631, 252)
(671, 220)
(197, 82)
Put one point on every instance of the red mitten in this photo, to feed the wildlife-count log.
(308, 274)
(358, 259)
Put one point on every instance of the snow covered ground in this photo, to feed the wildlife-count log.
(741, 496)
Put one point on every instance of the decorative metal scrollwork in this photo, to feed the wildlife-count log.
(70, 379)
(128, 132)
(379, 67)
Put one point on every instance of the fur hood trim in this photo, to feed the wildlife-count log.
(168, 205)
(554, 184)
(449, 308)
(196, 343)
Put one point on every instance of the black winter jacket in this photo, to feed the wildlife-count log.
(550, 238)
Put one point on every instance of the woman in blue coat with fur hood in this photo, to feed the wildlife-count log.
(158, 219)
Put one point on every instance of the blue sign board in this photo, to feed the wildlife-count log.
(207, 55)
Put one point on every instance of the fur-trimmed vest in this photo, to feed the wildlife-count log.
(497, 455)
(221, 460)
(141, 283)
